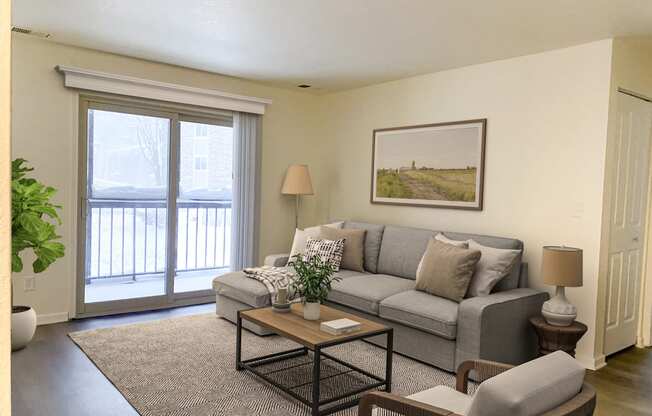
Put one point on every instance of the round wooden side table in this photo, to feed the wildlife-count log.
(554, 338)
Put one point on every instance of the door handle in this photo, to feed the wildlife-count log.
(635, 239)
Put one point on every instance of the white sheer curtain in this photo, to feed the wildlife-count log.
(246, 189)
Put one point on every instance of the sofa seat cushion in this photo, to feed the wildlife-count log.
(345, 274)
(237, 286)
(422, 311)
(366, 291)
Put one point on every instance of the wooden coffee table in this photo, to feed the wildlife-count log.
(313, 340)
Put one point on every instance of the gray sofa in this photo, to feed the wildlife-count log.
(428, 328)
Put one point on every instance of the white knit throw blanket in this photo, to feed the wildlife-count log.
(272, 277)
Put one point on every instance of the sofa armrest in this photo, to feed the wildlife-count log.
(497, 327)
(277, 260)
(484, 370)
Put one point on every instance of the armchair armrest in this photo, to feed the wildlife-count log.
(277, 260)
(483, 369)
(497, 327)
(398, 405)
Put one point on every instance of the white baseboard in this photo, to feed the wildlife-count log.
(52, 318)
(592, 363)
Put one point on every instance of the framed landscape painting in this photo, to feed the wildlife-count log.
(434, 165)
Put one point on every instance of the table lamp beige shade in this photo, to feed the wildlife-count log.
(297, 182)
(562, 267)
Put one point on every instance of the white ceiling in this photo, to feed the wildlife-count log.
(331, 44)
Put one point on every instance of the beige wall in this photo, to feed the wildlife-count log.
(545, 157)
(5, 210)
(545, 152)
(632, 71)
(45, 133)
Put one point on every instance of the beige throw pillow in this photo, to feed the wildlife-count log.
(353, 257)
(494, 264)
(301, 237)
(457, 243)
(441, 237)
(446, 270)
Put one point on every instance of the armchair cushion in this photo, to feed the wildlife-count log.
(445, 398)
(530, 389)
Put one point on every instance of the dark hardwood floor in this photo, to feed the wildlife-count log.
(624, 386)
(53, 377)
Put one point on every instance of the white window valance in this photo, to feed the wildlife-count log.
(86, 79)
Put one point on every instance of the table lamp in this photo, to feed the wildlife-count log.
(562, 267)
(297, 182)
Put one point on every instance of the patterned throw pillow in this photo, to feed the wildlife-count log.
(328, 250)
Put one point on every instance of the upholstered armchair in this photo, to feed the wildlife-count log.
(557, 380)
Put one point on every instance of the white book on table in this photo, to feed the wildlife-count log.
(340, 326)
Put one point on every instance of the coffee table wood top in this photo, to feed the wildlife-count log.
(291, 325)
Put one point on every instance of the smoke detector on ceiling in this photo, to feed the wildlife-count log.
(30, 32)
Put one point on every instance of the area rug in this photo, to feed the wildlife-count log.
(185, 366)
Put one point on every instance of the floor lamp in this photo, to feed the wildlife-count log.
(297, 182)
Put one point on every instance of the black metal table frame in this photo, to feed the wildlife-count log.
(316, 403)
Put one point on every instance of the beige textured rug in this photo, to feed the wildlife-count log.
(186, 366)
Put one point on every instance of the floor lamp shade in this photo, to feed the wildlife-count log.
(297, 181)
(561, 267)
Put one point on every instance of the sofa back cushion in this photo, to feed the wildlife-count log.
(530, 389)
(511, 281)
(372, 242)
(402, 249)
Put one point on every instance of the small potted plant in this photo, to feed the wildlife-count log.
(32, 217)
(313, 282)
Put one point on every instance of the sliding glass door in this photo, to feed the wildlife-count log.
(155, 189)
(203, 204)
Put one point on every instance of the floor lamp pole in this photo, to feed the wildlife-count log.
(296, 211)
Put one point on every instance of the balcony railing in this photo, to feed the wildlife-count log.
(128, 239)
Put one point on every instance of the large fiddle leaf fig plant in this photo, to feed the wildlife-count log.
(33, 220)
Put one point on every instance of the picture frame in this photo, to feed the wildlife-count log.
(438, 165)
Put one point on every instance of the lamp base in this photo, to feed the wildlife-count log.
(558, 311)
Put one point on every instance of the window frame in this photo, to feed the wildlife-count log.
(135, 106)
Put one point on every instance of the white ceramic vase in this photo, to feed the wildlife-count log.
(311, 311)
(23, 326)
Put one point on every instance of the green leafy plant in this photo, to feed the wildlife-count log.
(32, 217)
(314, 278)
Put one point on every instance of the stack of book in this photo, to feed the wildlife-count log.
(340, 326)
